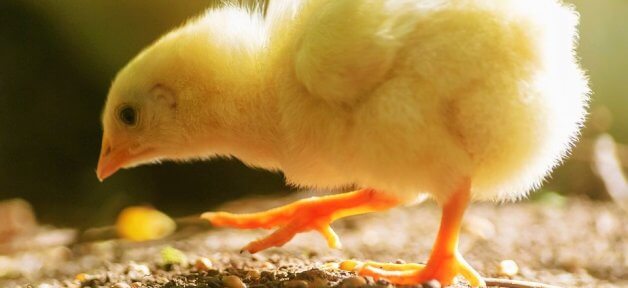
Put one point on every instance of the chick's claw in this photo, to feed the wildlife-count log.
(312, 214)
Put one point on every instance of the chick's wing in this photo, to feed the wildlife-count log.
(348, 47)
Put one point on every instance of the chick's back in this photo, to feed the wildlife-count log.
(413, 96)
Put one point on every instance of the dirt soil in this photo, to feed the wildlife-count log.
(574, 244)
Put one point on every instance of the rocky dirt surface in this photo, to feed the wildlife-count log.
(576, 243)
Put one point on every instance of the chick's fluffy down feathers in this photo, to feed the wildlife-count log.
(412, 96)
(404, 96)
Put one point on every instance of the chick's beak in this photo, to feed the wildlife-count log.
(111, 160)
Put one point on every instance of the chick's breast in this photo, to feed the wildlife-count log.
(484, 89)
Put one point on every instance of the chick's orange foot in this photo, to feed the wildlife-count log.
(311, 214)
(444, 270)
(445, 262)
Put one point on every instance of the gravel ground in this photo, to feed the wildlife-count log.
(574, 244)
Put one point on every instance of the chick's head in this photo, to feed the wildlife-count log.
(177, 99)
(151, 111)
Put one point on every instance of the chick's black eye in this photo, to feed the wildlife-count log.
(128, 115)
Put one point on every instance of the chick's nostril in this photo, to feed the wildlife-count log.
(107, 151)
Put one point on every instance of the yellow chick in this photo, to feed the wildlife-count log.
(459, 100)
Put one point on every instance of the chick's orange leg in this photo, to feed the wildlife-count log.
(314, 213)
(445, 262)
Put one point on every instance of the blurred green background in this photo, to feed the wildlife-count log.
(58, 57)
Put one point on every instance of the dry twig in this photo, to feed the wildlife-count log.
(507, 283)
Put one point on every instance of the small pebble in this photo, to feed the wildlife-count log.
(136, 285)
(431, 284)
(253, 275)
(161, 279)
(353, 282)
(274, 258)
(257, 257)
(268, 265)
(203, 264)
(605, 224)
(71, 284)
(60, 253)
(213, 272)
(508, 268)
(312, 274)
(232, 281)
(319, 283)
(295, 284)
(121, 285)
(236, 263)
(138, 271)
